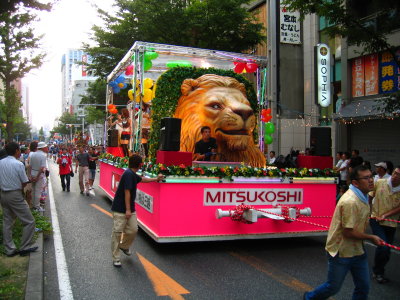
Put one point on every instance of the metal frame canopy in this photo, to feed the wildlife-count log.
(199, 57)
(195, 57)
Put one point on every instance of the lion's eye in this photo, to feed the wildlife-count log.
(216, 106)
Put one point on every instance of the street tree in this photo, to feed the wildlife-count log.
(41, 134)
(12, 5)
(214, 24)
(19, 54)
(364, 23)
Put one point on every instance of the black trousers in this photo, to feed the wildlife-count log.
(64, 178)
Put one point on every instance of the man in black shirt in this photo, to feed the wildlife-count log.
(123, 207)
(206, 147)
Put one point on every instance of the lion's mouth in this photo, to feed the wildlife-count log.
(232, 132)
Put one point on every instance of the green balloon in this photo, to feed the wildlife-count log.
(269, 127)
(178, 63)
(150, 55)
(268, 139)
(147, 65)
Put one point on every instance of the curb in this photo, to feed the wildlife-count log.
(34, 282)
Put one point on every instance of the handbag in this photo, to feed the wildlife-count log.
(71, 174)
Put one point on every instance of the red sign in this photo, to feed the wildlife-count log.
(115, 179)
(358, 77)
(84, 66)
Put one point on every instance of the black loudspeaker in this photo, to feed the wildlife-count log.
(112, 138)
(320, 141)
(170, 134)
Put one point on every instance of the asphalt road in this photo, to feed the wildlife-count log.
(246, 269)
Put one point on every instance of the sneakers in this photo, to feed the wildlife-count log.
(27, 251)
(87, 193)
(380, 279)
(81, 192)
(127, 252)
(40, 209)
(117, 264)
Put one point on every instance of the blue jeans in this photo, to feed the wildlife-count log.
(338, 267)
(382, 253)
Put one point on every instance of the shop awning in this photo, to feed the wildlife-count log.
(361, 109)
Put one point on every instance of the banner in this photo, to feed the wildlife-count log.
(371, 65)
(358, 77)
(290, 26)
(387, 77)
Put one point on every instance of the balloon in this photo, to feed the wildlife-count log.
(268, 110)
(137, 98)
(114, 111)
(116, 90)
(268, 118)
(154, 90)
(148, 93)
(178, 63)
(110, 106)
(150, 55)
(251, 67)
(120, 85)
(269, 127)
(268, 139)
(130, 94)
(129, 70)
(147, 65)
(148, 83)
(239, 67)
(120, 79)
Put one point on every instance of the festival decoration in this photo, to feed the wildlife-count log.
(118, 84)
(266, 115)
(178, 63)
(268, 139)
(269, 127)
(130, 95)
(241, 67)
(129, 70)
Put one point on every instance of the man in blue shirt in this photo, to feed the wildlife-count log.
(123, 207)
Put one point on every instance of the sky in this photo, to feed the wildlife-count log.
(66, 26)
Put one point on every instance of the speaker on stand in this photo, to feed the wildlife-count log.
(170, 134)
(320, 141)
(112, 138)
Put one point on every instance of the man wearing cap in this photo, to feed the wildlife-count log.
(12, 181)
(386, 205)
(37, 170)
(381, 171)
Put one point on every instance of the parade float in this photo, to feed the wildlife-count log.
(235, 196)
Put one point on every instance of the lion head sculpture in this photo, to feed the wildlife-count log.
(219, 102)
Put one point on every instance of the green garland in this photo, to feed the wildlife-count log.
(168, 93)
(222, 172)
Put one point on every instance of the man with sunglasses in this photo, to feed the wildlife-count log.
(385, 205)
(344, 245)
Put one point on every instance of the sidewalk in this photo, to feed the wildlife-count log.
(34, 282)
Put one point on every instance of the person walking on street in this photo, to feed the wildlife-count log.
(344, 245)
(92, 166)
(82, 161)
(385, 204)
(124, 214)
(12, 181)
(65, 163)
(38, 169)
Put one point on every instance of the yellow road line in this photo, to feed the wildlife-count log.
(273, 272)
(101, 209)
(163, 284)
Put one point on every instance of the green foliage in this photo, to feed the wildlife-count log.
(213, 24)
(94, 115)
(11, 5)
(19, 52)
(169, 90)
(62, 128)
(96, 93)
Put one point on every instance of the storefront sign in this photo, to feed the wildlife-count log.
(371, 74)
(388, 77)
(218, 197)
(144, 200)
(323, 75)
(290, 26)
(358, 77)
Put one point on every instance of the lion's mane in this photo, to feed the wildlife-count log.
(235, 116)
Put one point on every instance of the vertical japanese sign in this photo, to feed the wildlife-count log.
(358, 77)
(84, 66)
(290, 26)
(371, 74)
(323, 75)
(398, 68)
(388, 80)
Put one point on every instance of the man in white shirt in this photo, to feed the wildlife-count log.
(271, 157)
(381, 171)
(38, 167)
(12, 181)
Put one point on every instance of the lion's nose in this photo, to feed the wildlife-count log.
(245, 113)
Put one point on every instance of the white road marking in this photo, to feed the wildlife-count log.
(64, 284)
